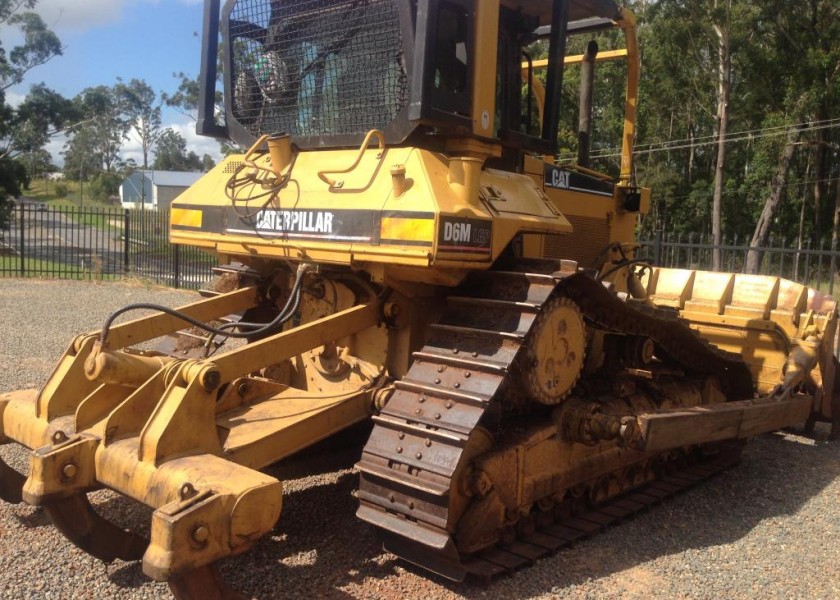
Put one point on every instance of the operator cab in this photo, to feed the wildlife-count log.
(328, 72)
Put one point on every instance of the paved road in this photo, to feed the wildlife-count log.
(40, 232)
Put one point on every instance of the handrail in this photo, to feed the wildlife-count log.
(339, 183)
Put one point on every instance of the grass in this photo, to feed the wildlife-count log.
(44, 191)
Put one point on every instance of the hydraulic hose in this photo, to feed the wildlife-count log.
(285, 314)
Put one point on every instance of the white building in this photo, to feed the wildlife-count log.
(155, 189)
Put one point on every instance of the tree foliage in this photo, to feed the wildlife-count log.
(39, 45)
(144, 114)
(99, 136)
(172, 154)
(779, 164)
(23, 130)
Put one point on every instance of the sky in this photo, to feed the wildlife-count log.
(132, 39)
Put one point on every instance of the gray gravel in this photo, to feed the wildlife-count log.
(767, 529)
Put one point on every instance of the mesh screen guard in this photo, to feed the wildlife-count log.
(326, 71)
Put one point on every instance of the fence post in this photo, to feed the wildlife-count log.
(22, 244)
(657, 247)
(126, 226)
(177, 266)
(807, 264)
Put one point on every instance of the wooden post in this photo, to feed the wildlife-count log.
(587, 83)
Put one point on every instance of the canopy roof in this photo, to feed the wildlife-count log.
(578, 9)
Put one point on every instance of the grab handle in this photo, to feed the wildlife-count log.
(339, 183)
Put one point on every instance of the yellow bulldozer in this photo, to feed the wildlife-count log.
(400, 247)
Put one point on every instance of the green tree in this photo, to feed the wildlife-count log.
(207, 163)
(144, 113)
(39, 45)
(103, 130)
(81, 158)
(185, 99)
(43, 114)
(172, 153)
(801, 56)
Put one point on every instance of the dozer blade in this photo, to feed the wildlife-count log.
(677, 428)
(779, 327)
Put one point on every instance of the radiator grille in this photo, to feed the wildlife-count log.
(589, 238)
(232, 166)
(316, 67)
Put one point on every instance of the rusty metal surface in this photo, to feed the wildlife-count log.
(417, 443)
(11, 484)
(76, 519)
(467, 375)
(562, 532)
(204, 583)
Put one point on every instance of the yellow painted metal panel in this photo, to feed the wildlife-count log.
(399, 228)
(185, 217)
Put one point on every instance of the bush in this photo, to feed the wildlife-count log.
(61, 190)
(103, 186)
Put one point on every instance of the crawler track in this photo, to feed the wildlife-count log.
(464, 382)
(552, 534)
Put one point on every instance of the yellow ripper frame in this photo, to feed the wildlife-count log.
(177, 438)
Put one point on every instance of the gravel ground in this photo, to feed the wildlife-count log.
(767, 529)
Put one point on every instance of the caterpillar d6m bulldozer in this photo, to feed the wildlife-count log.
(401, 247)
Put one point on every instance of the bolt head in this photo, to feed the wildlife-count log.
(201, 534)
(69, 471)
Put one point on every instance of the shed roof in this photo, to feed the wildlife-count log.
(172, 178)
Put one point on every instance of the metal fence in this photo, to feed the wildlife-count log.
(812, 266)
(97, 243)
(111, 243)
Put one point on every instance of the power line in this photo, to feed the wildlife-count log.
(729, 192)
(749, 133)
(746, 135)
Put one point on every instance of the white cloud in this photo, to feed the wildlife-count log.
(195, 143)
(54, 147)
(14, 99)
(199, 144)
(82, 15)
(131, 147)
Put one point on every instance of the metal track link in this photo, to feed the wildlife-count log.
(504, 558)
(419, 438)
(422, 438)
